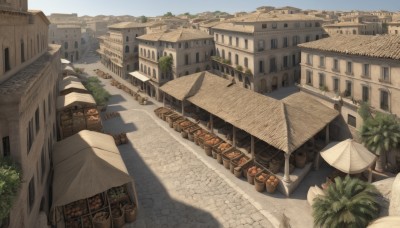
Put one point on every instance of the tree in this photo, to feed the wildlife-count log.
(165, 64)
(10, 182)
(364, 111)
(168, 14)
(346, 203)
(381, 134)
(143, 19)
(100, 95)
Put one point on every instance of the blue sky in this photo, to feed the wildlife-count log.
(159, 7)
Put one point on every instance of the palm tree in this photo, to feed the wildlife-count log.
(346, 203)
(380, 135)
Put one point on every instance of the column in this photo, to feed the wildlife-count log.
(370, 174)
(234, 137)
(286, 176)
(252, 147)
(327, 134)
(183, 108)
(211, 123)
(164, 100)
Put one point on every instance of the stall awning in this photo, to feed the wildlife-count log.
(73, 99)
(139, 76)
(86, 164)
(64, 61)
(64, 85)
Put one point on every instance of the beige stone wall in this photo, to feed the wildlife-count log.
(70, 40)
(22, 39)
(374, 81)
(14, 5)
(394, 29)
(265, 78)
(365, 29)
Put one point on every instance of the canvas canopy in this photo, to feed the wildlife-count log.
(139, 76)
(69, 84)
(64, 61)
(348, 156)
(86, 164)
(386, 222)
(71, 78)
(75, 99)
(69, 70)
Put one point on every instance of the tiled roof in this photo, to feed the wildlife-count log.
(344, 24)
(266, 17)
(380, 46)
(176, 35)
(235, 27)
(127, 25)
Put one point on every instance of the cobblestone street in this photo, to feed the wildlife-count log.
(177, 184)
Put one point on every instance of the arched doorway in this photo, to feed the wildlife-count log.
(274, 83)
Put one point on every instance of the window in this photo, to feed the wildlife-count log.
(7, 65)
(385, 74)
(261, 66)
(272, 65)
(230, 40)
(335, 65)
(349, 68)
(216, 37)
(43, 163)
(236, 59)
(65, 45)
(349, 89)
(154, 73)
(229, 56)
(31, 193)
(37, 120)
(285, 42)
(127, 39)
(365, 71)
(365, 93)
(351, 120)
(223, 38)
(285, 61)
(297, 25)
(187, 44)
(285, 25)
(294, 59)
(384, 100)
(153, 57)
(336, 85)
(22, 51)
(237, 42)
(76, 44)
(307, 38)
(6, 146)
(309, 78)
(274, 43)
(264, 26)
(223, 54)
(274, 25)
(261, 45)
(321, 61)
(316, 37)
(186, 59)
(127, 49)
(246, 44)
(321, 80)
(309, 59)
(296, 40)
(246, 62)
(197, 57)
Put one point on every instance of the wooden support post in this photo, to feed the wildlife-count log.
(252, 148)
(234, 137)
(183, 108)
(286, 176)
(164, 99)
(211, 123)
(327, 135)
(370, 174)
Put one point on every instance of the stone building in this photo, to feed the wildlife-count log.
(394, 27)
(344, 71)
(190, 49)
(69, 36)
(96, 29)
(363, 24)
(260, 50)
(29, 73)
(119, 47)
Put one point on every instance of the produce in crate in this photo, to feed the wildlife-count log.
(75, 209)
(252, 171)
(207, 136)
(73, 224)
(213, 142)
(86, 222)
(117, 193)
(263, 177)
(95, 202)
(273, 181)
(116, 212)
(185, 124)
(243, 160)
(224, 146)
(199, 132)
(233, 154)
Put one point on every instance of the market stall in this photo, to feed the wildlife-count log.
(91, 185)
(285, 127)
(69, 86)
(69, 70)
(76, 112)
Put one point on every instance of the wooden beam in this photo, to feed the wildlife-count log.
(211, 123)
(252, 147)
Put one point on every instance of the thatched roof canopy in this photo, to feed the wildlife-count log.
(286, 124)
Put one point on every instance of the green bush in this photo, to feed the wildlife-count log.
(100, 95)
(239, 68)
(10, 182)
(165, 64)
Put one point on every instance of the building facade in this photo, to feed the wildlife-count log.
(394, 28)
(190, 49)
(119, 47)
(260, 50)
(344, 71)
(29, 73)
(69, 37)
(362, 24)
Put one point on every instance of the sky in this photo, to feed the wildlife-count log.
(159, 7)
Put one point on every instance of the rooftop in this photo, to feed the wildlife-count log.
(123, 25)
(344, 24)
(380, 46)
(176, 35)
(269, 17)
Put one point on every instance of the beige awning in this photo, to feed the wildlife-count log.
(86, 164)
(139, 76)
(64, 85)
(64, 61)
(386, 222)
(348, 156)
(75, 99)
(71, 78)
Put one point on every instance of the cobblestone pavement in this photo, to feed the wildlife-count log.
(178, 185)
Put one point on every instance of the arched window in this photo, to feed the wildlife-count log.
(126, 49)
(145, 69)
(127, 38)
(22, 51)
(65, 45)
(148, 70)
(152, 55)
(141, 67)
(76, 44)
(154, 73)
(223, 54)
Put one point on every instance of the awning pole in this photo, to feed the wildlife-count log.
(164, 99)
(183, 108)
(286, 176)
(234, 136)
(211, 123)
(252, 147)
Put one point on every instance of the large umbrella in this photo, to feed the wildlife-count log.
(348, 156)
(386, 222)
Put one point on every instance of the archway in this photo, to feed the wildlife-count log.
(274, 83)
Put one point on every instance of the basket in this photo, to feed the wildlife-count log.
(227, 160)
(130, 213)
(184, 134)
(270, 188)
(197, 137)
(301, 159)
(239, 161)
(102, 224)
(258, 184)
(209, 148)
(250, 178)
(119, 222)
(238, 172)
